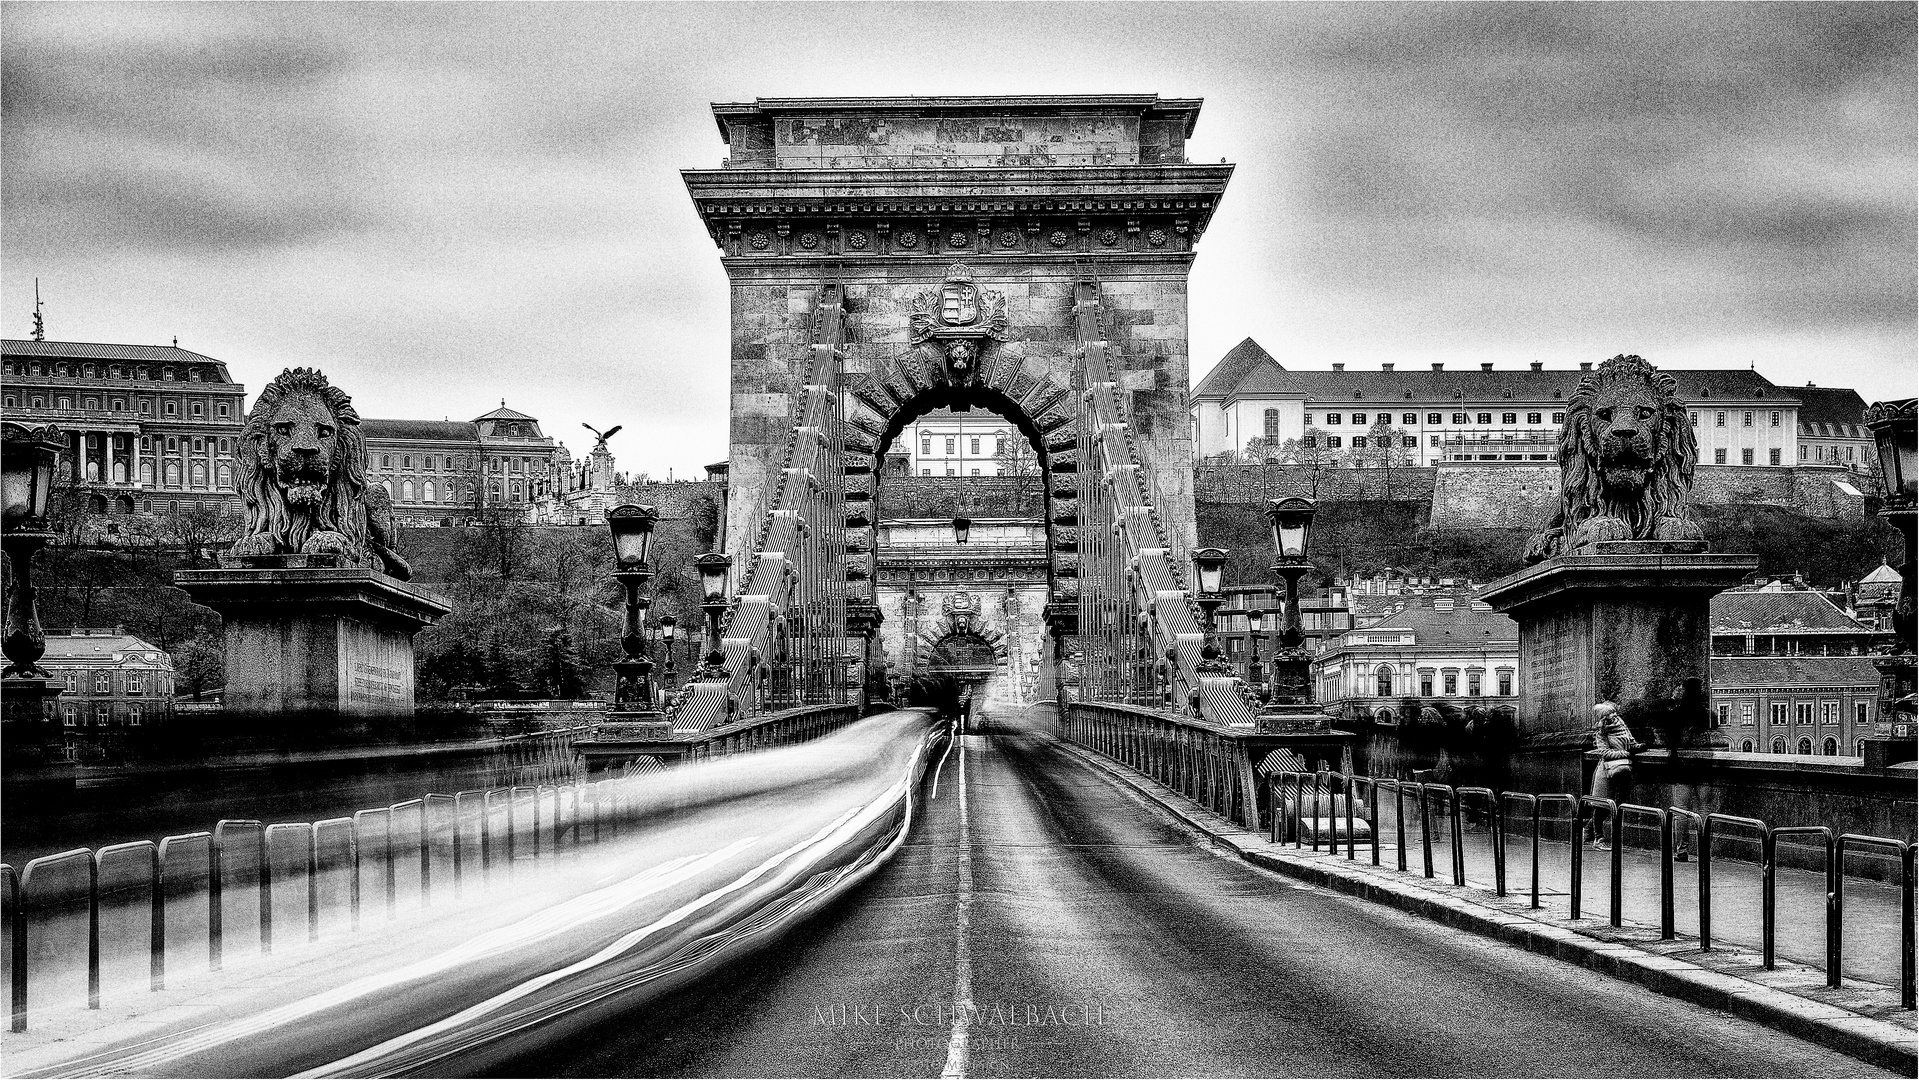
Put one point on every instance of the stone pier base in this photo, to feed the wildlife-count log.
(1629, 621)
(319, 640)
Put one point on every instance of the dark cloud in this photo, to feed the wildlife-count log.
(447, 203)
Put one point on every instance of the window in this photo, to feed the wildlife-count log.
(1272, 423)
(1802, 712)
(386, 461)
(1828, 712)
(1433, 440)
(1359, 418)
(1459, 418)
(136, 682)
(1425, 684)
(70, 716)
(1719, 420)
(1473, 678)
(1409, 419)
(1719, 456)
(1509, 418)
(1849, 453)
(1805, 747)
(1832, 747)
(133, 716)
(1802, 451)
(1335, 418)
(1725, 715)
(972, 446)
(1779, 712)
(1432, 418)
(952, 445)
(1775, 418)
(199, 446)
(1859, 714)
(1772, 456)
(198, 409)
(1359, 442)
(1748, 418)
(1505, 682)
(73, 682)
(1485, 418)
(406, 491)
(1450, 681)
(1559, 418)
(1745, 746)
(172, 408)
(428, 493)
(102, 682)
(225, 410)
(1309, 441)
(226, 446)
(926, 444)
(1779, 746)
(1408, 441)
(1745, 456)
(926, 472)
(1332, 442)
(949, 470)
(1383, 681)
(1746, 710)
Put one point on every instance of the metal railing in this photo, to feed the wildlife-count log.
(1201, 762)
(1298, 794)
(466, 833)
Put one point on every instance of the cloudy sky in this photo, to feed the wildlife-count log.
(447, 204)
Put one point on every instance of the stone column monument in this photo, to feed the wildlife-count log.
(1614, 606)
(319, 617)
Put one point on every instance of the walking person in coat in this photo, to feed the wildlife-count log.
(1612, 776)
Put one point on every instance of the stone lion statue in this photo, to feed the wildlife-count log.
(302, 476)
(1626, 459)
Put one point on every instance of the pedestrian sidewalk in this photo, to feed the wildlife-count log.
(1860, 1018)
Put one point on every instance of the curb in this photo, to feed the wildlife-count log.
(1868, 1038)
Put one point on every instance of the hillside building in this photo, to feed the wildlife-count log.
(109, 678)
(975, 443)
(435, 469)
(1249, 403)
(150, 428)
(1791, 672)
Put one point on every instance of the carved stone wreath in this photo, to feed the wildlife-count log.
(809, 240)
(1009, 238)
(1059, 238)
(958, 240)
(1108, 237)
(759, 240)
(856, 240)
(1157, 238)
(908, 240)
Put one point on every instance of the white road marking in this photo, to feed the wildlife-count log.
(941, 767)
(957, 1042)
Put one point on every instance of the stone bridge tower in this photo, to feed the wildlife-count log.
(955, 240)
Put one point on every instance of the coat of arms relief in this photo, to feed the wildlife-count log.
(959, 318)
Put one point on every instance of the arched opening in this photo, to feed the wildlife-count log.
(1745, 746)
(1382, 681)
(1805, 747)
(1779, 745)
(1832, 747)
(975, 607)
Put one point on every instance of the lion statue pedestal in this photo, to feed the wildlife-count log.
(1617, 604)
(319, 617)
(306, 635)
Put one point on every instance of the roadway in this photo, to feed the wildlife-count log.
(1087, 934)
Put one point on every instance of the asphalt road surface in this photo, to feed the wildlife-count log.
(1042, 921)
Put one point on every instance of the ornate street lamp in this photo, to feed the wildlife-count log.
(632, 528)
(962, 528)
(1896, 435)
(713, 567)
(1292, 521)
(28, 458)
(669, 629)
(1208, 564)
(1255, 622)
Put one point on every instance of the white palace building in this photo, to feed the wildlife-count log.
(1495, 416)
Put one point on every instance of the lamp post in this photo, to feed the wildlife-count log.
(1292, 521)
(1895, 433)
(962, 528)
(632, 528)
(713, 567)
(1208, 563)
(1255, 622)
(28, 458)
(669, 628)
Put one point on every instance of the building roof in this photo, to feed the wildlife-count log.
(1463, 626)
(1251, 372)
(1883, 575)
(1232, 368)
(1832, 405)
(94, 644)
(87, 350)
(1775, 610)
(1729, 672)
(436, 430)
(502, 413)
(994, 104)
